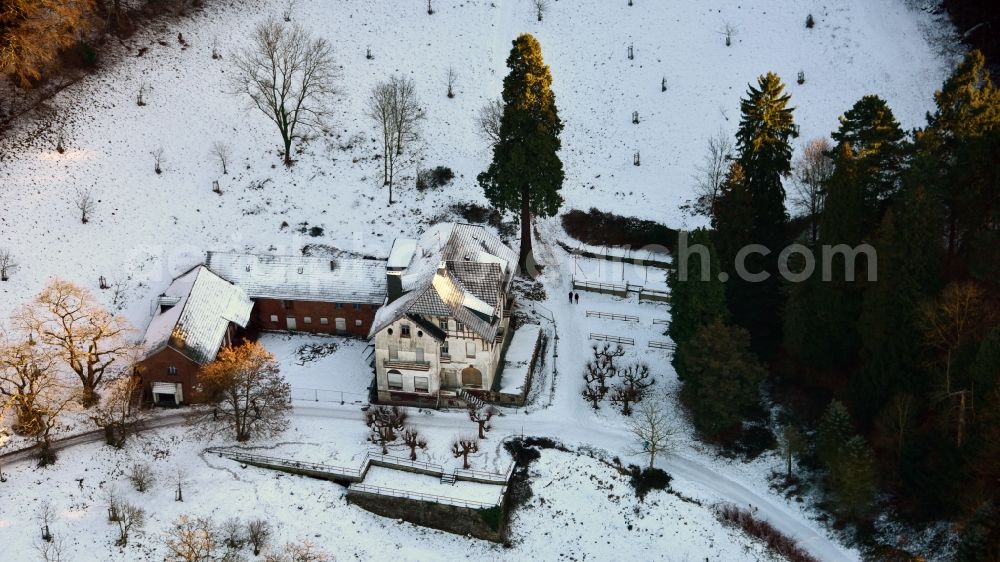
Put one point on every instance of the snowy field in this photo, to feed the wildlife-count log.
(148, 228)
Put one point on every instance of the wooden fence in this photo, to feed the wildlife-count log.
(612, 339)
(612, 316)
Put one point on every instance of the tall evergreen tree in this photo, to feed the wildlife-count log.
(957, 154)
(909, 262)
(722, 378)
(835, 429)
(699, 298)
(526, 173)
(872, 132)
(765, 155)
(853, 478)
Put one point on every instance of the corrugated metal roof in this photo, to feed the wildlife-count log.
(303, 278)
(458, 270)
(197, 323)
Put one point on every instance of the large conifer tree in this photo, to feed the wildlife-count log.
(697, 300)
(872, 132)
(765, 155)
(526, 173)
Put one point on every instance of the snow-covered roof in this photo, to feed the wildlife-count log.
(517, 360)
(457, 270)
(402, 252)
(193, 314)
(301, 278)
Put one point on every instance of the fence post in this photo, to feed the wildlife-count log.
(315, 395)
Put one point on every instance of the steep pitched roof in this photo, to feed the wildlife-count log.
(194, 313)
(303, 278)
(457, 270)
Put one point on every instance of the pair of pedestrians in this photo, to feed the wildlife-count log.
(574, 296)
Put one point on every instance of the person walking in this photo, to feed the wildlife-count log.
(577, 297)
(571, 297)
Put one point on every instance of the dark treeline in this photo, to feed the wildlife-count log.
(890, 386)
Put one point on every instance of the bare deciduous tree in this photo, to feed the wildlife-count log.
(49, 408)
(46, 514)
(141, 476)
(540, 8)
(482, 415)
(7, 264)
(258, 535)
(712, 173)
(728, 31)
(249, 395)
(27, 377)
(430, 9)
(92, 341)
(414, 440)
(652, 430)
(121, 411)
(221, 151)
(158, 160)
(4, 439)
(452, 78)
(52, 551)
(396, 111)
(140, 98)
(130, 517)
(180, 480)
(286, 14)
(489, 121)
(812, 170)
(232, 534)
(385, 422)
(290, 76)
(599, 371)
(462, 447)
(84, 202)
(191, 540)
(304, 551)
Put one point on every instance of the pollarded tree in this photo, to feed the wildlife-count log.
(462, 447)
(414, 440)
(96, 344)
(385, 423)
(481, 415)
(635, 383)
(290, 76)
(526, 173)
(250, 396)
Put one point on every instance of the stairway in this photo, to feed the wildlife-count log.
(447, 478)
(470, 399)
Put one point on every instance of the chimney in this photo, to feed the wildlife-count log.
(394, 285)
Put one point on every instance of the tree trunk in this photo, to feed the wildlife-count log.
(90, 398)
(526, 262)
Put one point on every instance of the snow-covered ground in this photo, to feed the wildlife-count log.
(148, 228)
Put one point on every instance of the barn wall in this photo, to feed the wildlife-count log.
(315, 311)
(154, 369)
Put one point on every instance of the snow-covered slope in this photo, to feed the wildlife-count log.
(151, 226)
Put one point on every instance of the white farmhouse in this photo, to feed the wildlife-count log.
(446, 316)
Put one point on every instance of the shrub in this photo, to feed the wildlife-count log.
(645, 479)
(434, 178)
(141, 476)
(607, 229)
(775, 540)
(810, 22)
(316, 231)
(523, 454)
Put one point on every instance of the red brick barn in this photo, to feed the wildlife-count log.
(307, 294)
(195, 317)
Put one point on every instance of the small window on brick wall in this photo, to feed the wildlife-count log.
(324, 321)
(357, 322)
(171, 370)
(307, 319)
(274, 318)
